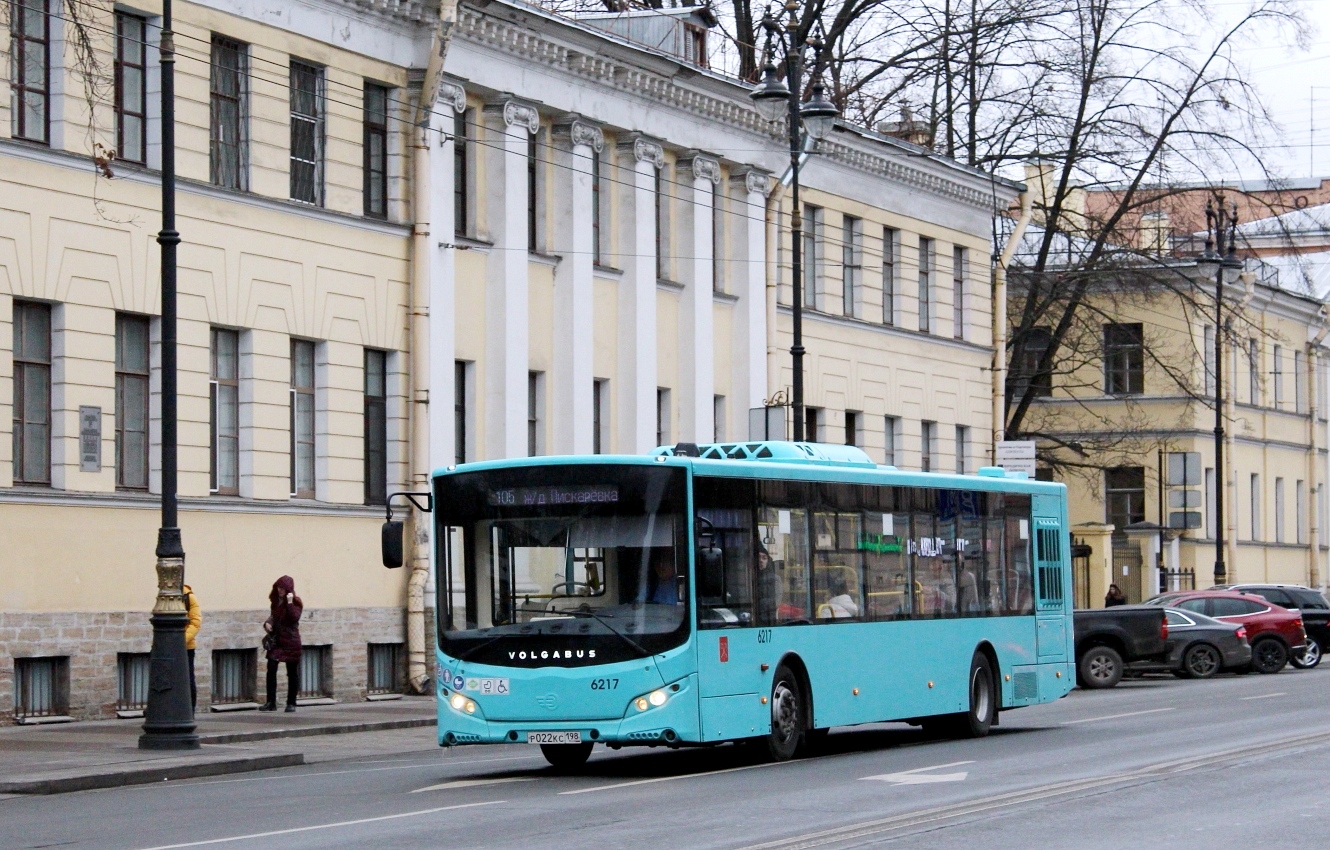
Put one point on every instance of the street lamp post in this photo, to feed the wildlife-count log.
(816, 116)
(1219, 261)
(168, 722)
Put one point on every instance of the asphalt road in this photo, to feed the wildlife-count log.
(1232, 762)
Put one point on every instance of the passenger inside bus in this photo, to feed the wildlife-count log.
(661, 586)
(841, 604)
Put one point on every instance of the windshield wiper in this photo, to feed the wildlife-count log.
(576, 612)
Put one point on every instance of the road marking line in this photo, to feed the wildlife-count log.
(1265, 696)
(474, 783)
(433, 764)
(1115, 716)
(323, 826)
(919, 777)
(672, 778)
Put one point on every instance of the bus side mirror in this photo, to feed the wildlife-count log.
(710, 571)
(392, 544)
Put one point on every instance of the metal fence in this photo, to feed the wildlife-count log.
(385, 673)
(132, 669)
(1173, 580)
(234, 675)
(41, 687)
(315, 672)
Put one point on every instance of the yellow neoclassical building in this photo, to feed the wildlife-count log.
(549, 241)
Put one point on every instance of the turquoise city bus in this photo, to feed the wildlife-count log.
(759, 591)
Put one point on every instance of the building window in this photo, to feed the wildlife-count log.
(535, 224)
(535, 432)
(1124, 359)
(316, 672)
(959, 263)
(225, 386)
(812, 416)
(30, 49)
(1279, 510)
(385, 668)
(852, 233)
(1025, 371)
(662, 416)
(890, 434)
(599, 400)
(302, 418)
(459, 411)
(132, 680)
(927, 445)
(890, 244)
(1298, 394)
(131, 87)
(1124, 497)
(718, 419)
(375, 150)
(307, 125)
(32, 393)
(717, 238)
(925, 284)
(1254, 371)
(1255, 506)
(812, 221)
(234, 675)
(131, 401)
(228, 136)
(962, 449)
(376, 427)
(851, 428)
(1277, 357)
(41, 687)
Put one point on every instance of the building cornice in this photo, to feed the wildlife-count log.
(488, 30)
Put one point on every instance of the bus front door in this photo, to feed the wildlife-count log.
(1051, 590)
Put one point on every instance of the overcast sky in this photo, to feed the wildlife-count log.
(1296, 87)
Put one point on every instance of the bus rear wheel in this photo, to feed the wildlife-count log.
(566, 756)
(976, 722)
(788, 715)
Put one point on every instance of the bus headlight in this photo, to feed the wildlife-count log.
(655, 699)
(461, 703)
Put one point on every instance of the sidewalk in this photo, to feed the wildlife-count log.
(57, 758)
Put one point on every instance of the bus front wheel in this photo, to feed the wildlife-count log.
(566, 756)
(788, 715)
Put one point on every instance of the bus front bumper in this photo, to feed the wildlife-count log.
(675, 721)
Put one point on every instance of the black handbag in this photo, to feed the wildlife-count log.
(269, 638)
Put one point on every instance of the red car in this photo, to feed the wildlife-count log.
(1275, 633)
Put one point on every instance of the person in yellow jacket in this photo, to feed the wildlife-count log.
(191, 632)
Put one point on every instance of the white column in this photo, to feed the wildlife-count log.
(637, 294)
(576, 142)
(696, 337)
(442, 278)
(507, 306)
(748, 271)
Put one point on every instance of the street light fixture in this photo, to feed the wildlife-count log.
(817, 117)
(1219, 262)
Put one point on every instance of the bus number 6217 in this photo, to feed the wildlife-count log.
(604, 684)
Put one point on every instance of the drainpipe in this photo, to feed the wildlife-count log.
(1314, 459)
(999, 370)
(421, 250)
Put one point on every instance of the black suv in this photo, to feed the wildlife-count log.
(1311, 604)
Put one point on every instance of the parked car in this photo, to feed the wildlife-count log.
(1199, 647)
(1311, 604)
(1108, 639)
(1275, 633)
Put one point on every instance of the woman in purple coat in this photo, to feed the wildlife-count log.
(283, 641)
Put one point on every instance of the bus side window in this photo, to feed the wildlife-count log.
(782, 586)
(991, 584)
(725, 520)
(1019, 580)
(890, 588)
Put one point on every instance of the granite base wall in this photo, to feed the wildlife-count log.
(91, 641)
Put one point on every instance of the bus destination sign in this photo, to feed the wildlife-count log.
(524, 497)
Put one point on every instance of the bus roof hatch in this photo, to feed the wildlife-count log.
(777, 451)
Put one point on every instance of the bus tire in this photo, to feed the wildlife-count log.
(789, 713)
(976, 722)
(566, 756)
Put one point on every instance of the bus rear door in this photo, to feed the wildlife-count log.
(1050, 601)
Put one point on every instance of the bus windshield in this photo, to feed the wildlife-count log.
(562, 565)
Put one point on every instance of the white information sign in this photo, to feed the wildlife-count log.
(1016, 456)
